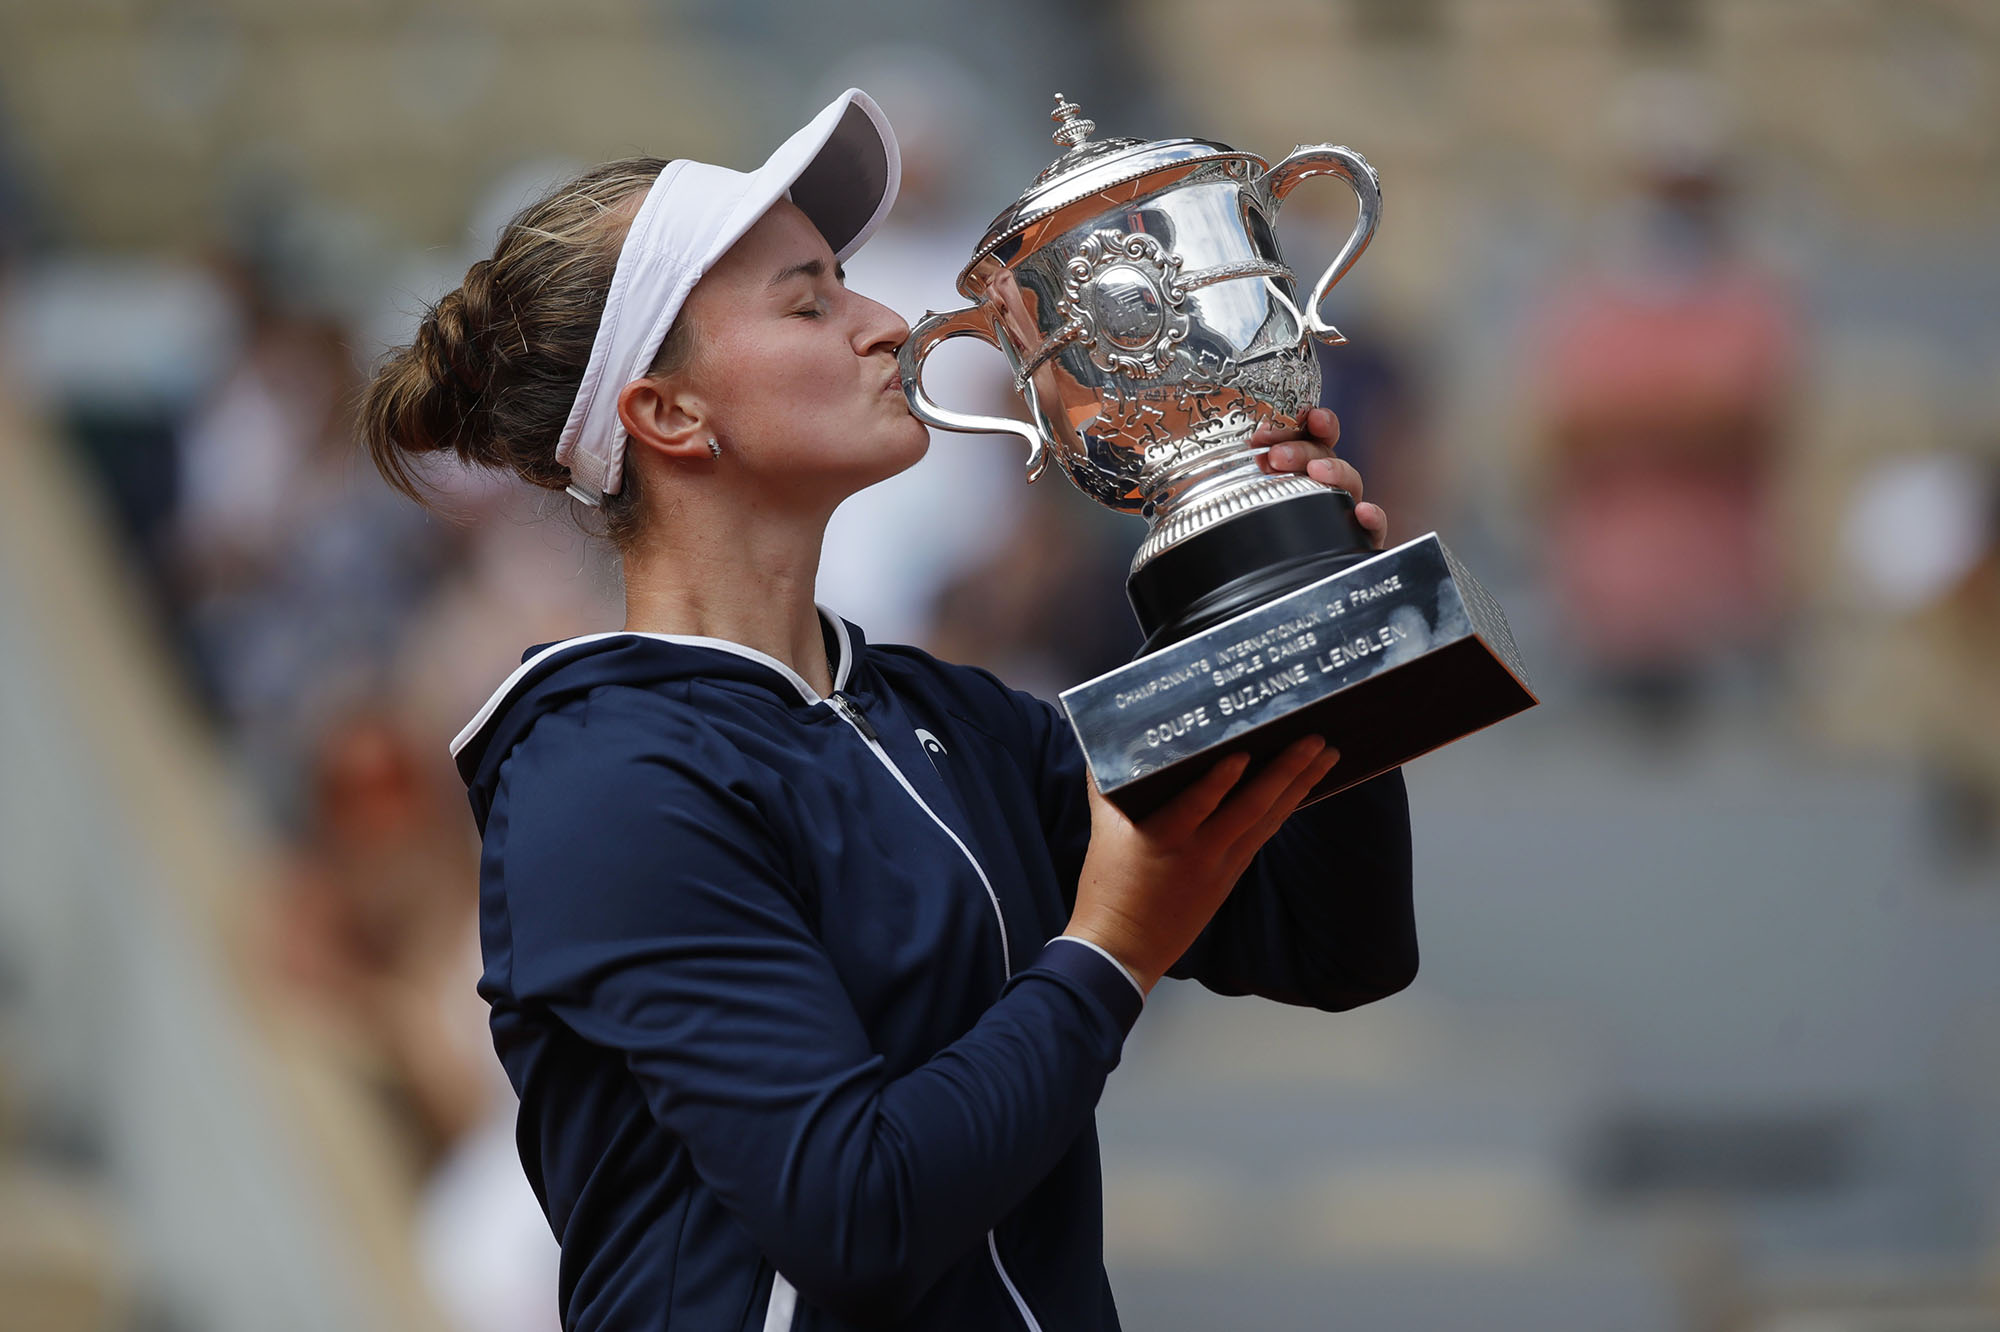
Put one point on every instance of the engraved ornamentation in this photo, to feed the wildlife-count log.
(1122, 295)
(1288, 382)
(1248, 268)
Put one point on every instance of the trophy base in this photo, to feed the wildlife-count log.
(1390, 658)
(1240, 564)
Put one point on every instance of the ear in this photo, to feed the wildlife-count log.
(662, 416)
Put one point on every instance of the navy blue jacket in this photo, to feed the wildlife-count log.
(773, 976)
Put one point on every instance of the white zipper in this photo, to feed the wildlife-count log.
(852, 716)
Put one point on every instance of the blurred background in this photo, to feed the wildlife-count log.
(1682, 327)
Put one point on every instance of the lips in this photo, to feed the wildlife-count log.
(895, 384)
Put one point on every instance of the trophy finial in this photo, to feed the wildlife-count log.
(1071, 128)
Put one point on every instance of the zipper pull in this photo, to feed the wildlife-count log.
(853, 714)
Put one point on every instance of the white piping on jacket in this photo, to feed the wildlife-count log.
(993, 1247)
(783, 1308)
(1105, 953)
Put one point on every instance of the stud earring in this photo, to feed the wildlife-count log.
(714, 449)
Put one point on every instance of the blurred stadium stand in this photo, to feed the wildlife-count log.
(174, 1134)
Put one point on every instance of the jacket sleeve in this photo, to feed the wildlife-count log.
(1324, 917)
(653, 911)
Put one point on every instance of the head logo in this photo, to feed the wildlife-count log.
(933, 748)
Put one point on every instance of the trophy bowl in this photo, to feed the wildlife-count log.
(1138, 293)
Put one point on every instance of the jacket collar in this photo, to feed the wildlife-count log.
(540, 663)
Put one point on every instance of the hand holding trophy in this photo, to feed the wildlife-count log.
(1138, 293)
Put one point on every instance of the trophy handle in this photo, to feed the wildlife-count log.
(973, 321)
(1326, 159)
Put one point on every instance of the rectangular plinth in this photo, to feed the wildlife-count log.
(1388, 660)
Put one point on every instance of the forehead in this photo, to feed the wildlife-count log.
(782, 238)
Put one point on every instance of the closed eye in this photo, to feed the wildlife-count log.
(810, 268)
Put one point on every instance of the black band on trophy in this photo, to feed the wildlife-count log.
(1233, 566)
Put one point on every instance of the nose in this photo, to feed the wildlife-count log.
(879, 328)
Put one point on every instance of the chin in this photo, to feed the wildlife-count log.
(906, 447)
(890, 453)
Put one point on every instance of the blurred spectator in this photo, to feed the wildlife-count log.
(1663, 389)
(376, 925)
(294, 569)
(1922, 536)
(116, 351)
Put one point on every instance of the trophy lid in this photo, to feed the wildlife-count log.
(1095, 171)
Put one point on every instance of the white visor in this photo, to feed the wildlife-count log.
(842, 171)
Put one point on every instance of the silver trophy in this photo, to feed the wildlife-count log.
(1138, 293)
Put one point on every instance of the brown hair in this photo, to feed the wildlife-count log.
(495, 364)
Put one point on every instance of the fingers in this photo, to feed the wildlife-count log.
(1375, 519)
(1336, 472)
(1256, 798)
(1290, 450)
(1187, 811)
(1293, 456)
(1318, 425)
(1282, 808)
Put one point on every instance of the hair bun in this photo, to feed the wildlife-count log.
(495, 364)
(462, 324)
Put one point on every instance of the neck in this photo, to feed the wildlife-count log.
(745, 578)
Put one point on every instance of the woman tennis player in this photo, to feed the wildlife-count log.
(809, 957)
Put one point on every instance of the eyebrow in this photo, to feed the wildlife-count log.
(812, 268)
